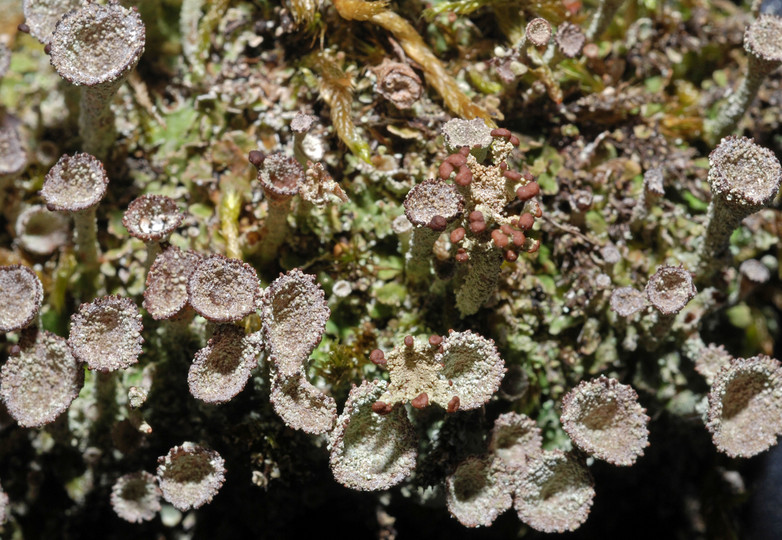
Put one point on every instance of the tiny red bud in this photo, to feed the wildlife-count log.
(421, 401)
(377, 357)
(256, 157)
(409, 341)
(501, 132)
(453, 405)
(445, 170)
(438, 223)
(475, 215)
(525, 193)
(463, 177)
(457, 160)
(435, 340)
(500, 240)
(457, 235)
(514, 176)
(477, 227)
(526, 221)
(511, 256)
(381, 407)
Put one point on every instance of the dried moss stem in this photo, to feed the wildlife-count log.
(336, 89)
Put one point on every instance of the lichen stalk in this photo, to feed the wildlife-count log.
(276, 228)
(733, 110)
(85, 236)
(96, 120)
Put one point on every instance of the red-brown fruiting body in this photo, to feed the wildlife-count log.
(475, 215)
(465, 151)
(421, 401)
(511, 256)
(526, 221)
(23, 28)
(463, 177)
(501, 132)
(445, 170)
(457, 235)
(500, 240)
(409, 341)
(438, 223)
(503, 166)
(461, 255)
(525, 193)
(514, 176)
(377, 357)
(457, 160)
(477, 226)
(435, 340)
(256, 157)
(381, 407)
(518, 238)
(514, 140)
(453, 405)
